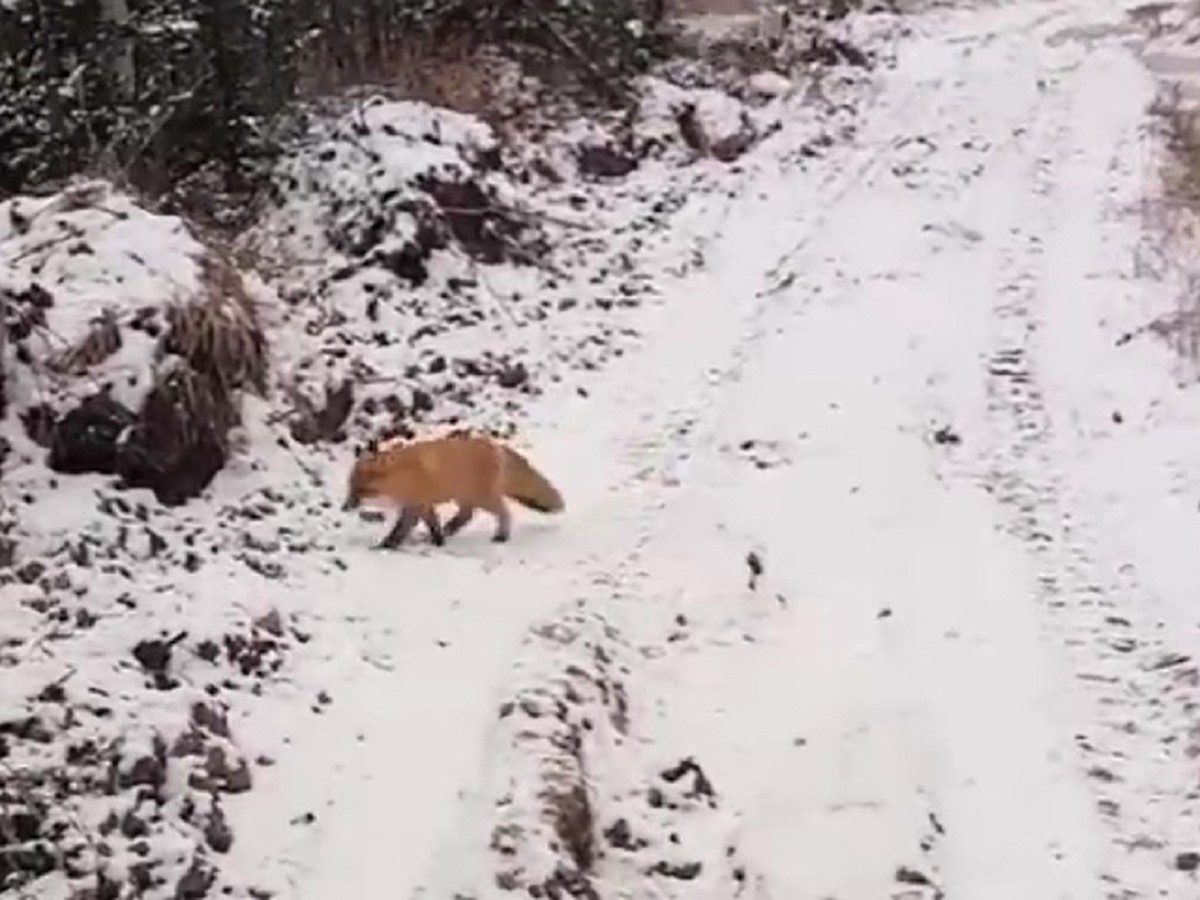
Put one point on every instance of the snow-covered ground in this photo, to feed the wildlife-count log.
(875, 578)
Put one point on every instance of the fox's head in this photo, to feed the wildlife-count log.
(376, 474)
(364, 478)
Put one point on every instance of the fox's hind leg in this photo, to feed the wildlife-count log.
(457, 521)
(405, 523)
(430, 517)
(499, 509)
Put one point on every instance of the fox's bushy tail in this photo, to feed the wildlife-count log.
(528, 486)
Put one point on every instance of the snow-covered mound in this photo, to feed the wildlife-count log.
(448, 270)
(71, 263)
(446, 275)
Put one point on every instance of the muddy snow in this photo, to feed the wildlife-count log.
(876, 574)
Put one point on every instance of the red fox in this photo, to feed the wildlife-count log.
(474, 471)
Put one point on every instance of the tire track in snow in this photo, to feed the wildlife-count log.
(903, 734)
(921, 769)
(1105, 621)
(620, 592)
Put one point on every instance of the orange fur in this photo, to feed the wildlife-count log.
(472, 471)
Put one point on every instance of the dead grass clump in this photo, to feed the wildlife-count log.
(102, 340)
(214, 348)
(1182, 126)
(455, 73)
(774, 39)
(446, 52)
(1176, 218)
(219, 334)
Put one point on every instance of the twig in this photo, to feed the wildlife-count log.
(515, 213)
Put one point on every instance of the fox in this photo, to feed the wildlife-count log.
(474, 471)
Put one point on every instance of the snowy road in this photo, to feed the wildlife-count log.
(963, 671)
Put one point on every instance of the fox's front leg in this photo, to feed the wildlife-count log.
(459, 520)
(430, 517)
(405, 523)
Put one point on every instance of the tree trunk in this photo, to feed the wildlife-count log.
(115, 14)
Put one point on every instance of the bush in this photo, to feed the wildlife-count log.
(182, 98)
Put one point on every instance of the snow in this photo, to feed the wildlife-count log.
(102, 251)
(896, 368)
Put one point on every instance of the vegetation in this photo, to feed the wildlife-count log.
(184, 99)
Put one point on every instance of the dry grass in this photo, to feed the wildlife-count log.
(102, 340)
(185, 408)
(1176, 217)
(219, 334)
(711, 7)
(1181, 178)
(455, 74)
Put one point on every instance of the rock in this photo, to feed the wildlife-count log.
(8, 552)
(407, 263)
(512, 376)
(195, 883)
(178, 443)
(212, 720)
(832, 51)
(905, 875)
(219, 776)
(755, 565)
(701, 786)
(422, 401)
(147, 771)
(25, 826)
(133, 826)
(31, 571)
(54, 692)
(217, 833)
(86, 439)
(1187, 861)
(208, 650)
(620, 836)
(310, 424)
(271, 622)
(605, 161)
(682, 871)
(946, 435)
(155, 655)
(28, 863)
(691, 129)
(769, 84)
